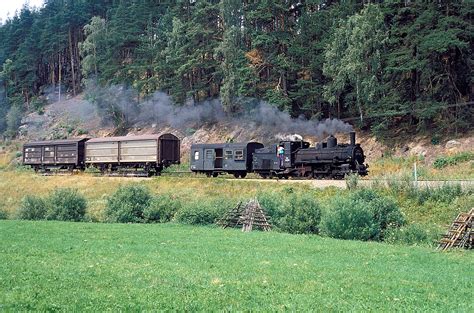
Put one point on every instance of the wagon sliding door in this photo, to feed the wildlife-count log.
(101, 152)
(138, 151)
(48, 155)
(66, 154)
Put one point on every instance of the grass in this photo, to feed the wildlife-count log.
(399, 167)
(85, 266)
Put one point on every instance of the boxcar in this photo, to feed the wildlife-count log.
(55, 154)
(149, 153)
(215, 159)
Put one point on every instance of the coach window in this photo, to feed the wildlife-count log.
(239, 155)
(210, 154)
(196, 155)
(228, 154)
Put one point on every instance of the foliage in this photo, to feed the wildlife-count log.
(126, 205)
(403, 64)
(445, 194)
(412, 234)
(66, 204)
(201, 213)
(292, 212)
(32, 208)
(352, 181)
(444, 161)
(354, 56)
(3, 214)
(362, 215)
(161, 209)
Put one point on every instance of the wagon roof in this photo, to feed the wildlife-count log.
(223, 145)
(55, 142)
(132, 138)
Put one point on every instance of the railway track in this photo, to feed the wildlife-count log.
(316, 183)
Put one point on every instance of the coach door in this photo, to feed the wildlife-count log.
(209, 159)
(219, 157)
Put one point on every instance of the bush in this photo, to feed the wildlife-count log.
(446, 194)
(201, 213)
(66, 204)
(413, 234)
(3, 214)
(350, 220)
(32, 208)
(127, 204)
(444, 161)
(161, 209)
(352, 181)
(292, 212)
(363, 215)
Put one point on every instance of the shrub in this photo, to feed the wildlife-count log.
(161, 209)
(444, 161)
(292, 212)
(201, 213)
(413, 234)
(445, 193)
(32, 208)
(385, 211)
(352, 181)
(127, 204)
(350, 220)
(3, 214)
(66, 204)
(363, 215)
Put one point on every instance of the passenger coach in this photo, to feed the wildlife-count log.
(215, 159)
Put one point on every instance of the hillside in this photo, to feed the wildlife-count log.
(77, 117)
(391, 68)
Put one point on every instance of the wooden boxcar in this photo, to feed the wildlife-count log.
(55, 154)
(148, 153)
(231, 158)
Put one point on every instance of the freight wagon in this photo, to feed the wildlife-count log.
(55, 154)
(148, 154)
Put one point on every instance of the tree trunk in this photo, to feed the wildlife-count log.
(59, 78)
(71, 52)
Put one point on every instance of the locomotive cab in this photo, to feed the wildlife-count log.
(267, 161)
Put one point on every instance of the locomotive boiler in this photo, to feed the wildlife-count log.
(327, 159)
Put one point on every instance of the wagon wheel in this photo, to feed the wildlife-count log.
(243, 175)
(236, 175)
(215, 174)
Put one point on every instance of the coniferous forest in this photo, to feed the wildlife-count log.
(385, 66)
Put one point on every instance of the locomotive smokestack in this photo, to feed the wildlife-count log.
(352, 136)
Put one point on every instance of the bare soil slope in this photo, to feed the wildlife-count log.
(76, 117)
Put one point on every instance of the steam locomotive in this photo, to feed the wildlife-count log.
(326, 160)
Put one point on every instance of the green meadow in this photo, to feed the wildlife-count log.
(97, 266)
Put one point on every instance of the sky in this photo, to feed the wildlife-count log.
(8, 7)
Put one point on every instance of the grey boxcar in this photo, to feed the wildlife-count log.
(55, 154)
(215, 159)
(150, 153)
